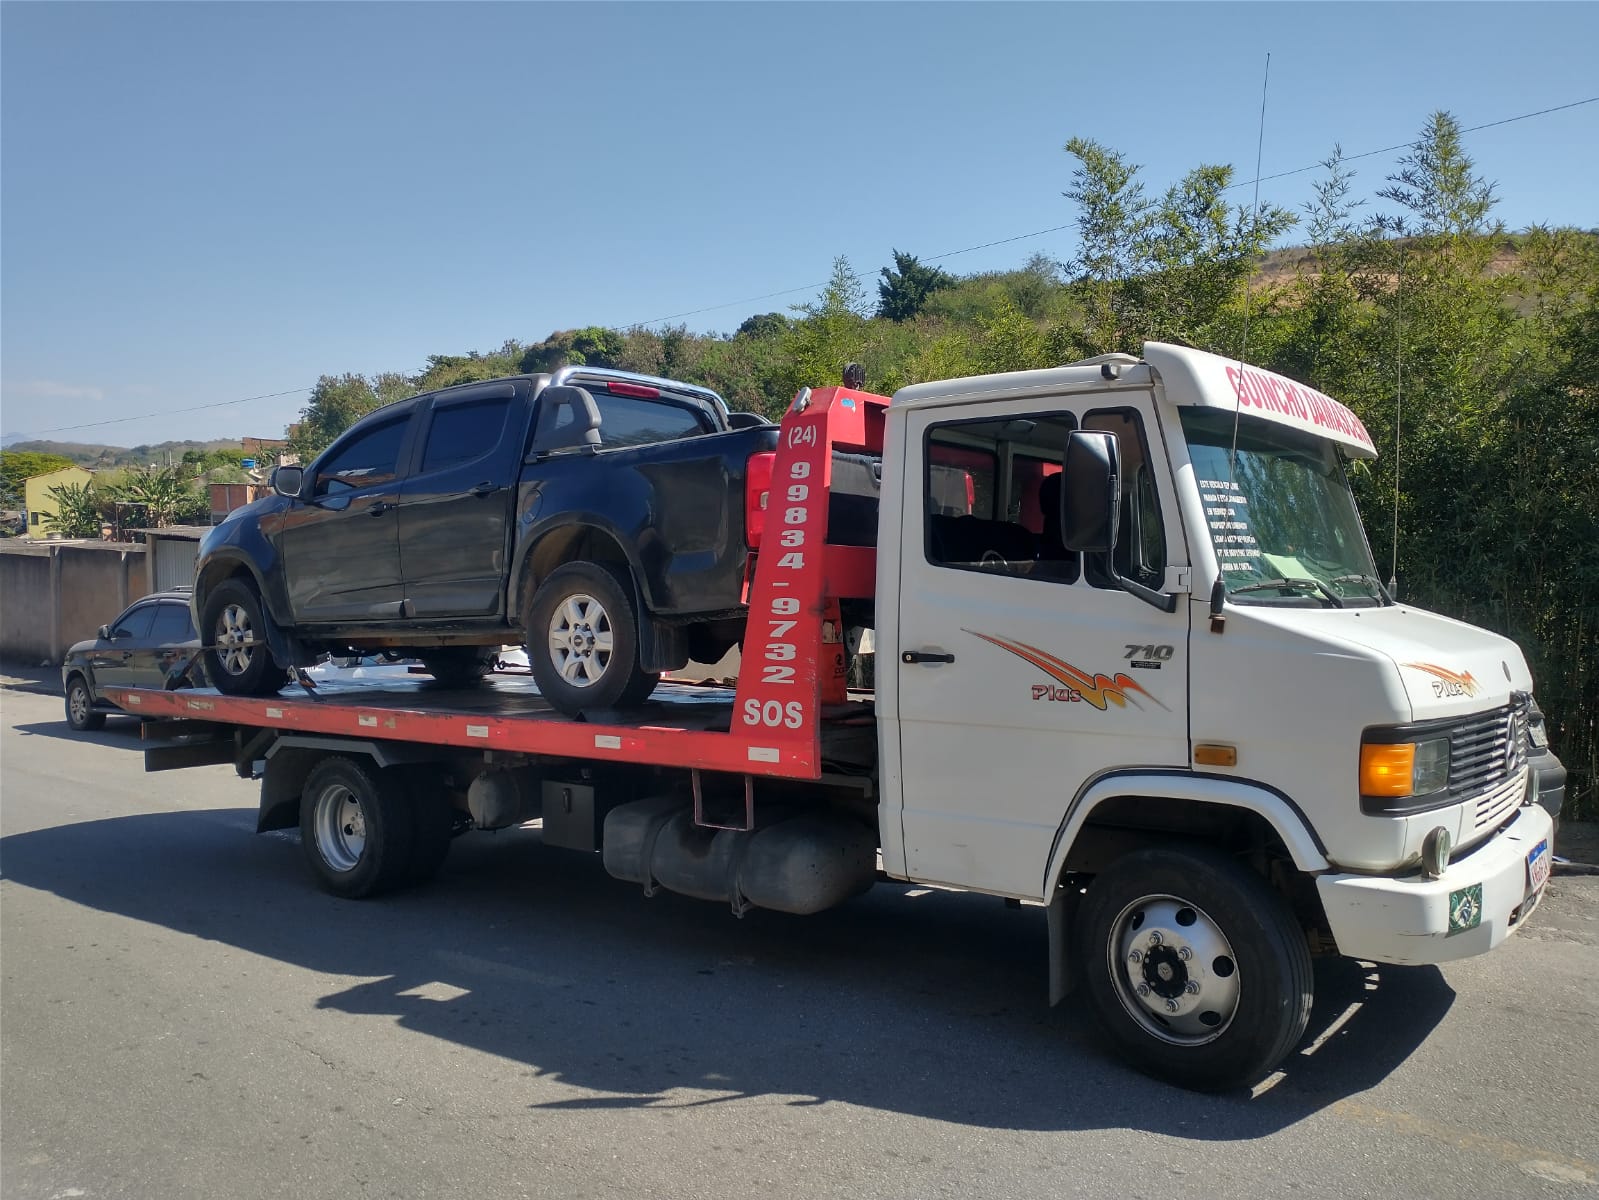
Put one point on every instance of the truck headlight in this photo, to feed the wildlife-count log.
(1403, 777)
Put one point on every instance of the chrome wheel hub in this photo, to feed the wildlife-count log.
(1174, 970)
(340, 826)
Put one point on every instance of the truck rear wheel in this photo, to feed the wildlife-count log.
(357, 827)
(1196, 968)
(238, 661)
(582, 640)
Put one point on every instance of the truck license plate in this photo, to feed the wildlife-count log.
(1538, 867)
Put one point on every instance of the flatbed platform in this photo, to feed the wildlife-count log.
(684, 725)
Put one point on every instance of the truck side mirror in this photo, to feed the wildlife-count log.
(1090, 507)
(568, 419)
(104, 633)
(1091, 495)
(287, 481)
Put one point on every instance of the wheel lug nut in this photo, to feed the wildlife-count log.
(1171, 1006)
(1185, 953)
(1143, 989)
(1137, 956)
(1155, 939)
(1192, 987)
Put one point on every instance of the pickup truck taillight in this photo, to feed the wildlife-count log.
(757, 489)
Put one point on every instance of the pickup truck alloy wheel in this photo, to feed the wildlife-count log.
(1195, 966)
(358, 827)
(81, 714)
(237, 658)
(582, 640)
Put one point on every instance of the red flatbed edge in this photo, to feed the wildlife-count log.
(682, 725)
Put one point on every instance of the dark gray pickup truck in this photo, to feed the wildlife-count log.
(598, 516)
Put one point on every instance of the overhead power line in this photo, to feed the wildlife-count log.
(166, 412)
(1021, 237)
(808, 287)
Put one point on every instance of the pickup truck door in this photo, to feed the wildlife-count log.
(1021, 674)
(340, 548)
(455, 507)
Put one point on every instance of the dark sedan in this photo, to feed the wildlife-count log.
(141, 648)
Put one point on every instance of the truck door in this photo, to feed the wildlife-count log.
(341, 549)
(1023, 671)
(455, 507)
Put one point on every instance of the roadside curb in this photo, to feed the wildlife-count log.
(1574, 868)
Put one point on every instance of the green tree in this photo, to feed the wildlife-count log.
(336, 403)
(832, 330)
(19, 466)
(163, 491)
(1113, 219)
(906, 286)
(77, 510)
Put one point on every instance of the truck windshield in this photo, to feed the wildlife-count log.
(1285, 528)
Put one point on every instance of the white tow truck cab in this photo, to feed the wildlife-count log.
(1134, 665)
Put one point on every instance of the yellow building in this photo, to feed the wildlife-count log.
(41, 507)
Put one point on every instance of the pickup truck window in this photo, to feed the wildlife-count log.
(992, 496)
(1141, 541)
(627, 421)
(364, 461)
(462, 432)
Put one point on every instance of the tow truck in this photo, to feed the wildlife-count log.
(1133, 666)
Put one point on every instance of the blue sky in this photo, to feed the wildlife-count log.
(205, 202)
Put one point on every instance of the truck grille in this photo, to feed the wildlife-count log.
(1486, 755)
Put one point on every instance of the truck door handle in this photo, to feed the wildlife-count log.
(378, 509)
(925, 656)
(486, 488)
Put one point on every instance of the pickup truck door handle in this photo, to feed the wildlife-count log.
(486, 488)
(925, 656)
(378, 509)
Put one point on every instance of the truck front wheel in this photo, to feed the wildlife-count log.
(582, 640)
(1196, 968)
(357, 828)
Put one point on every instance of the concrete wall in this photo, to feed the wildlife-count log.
(55, 593)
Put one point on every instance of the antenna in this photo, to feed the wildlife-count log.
(1399, 400)
(1218, 590)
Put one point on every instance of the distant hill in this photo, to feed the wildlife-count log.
(98, 457)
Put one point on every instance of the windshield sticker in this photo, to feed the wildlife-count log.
(1100, 691)
(1448, 683)
(1226, 511)
(1274, 394)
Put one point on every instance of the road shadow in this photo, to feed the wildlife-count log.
(909, 1000)
(120, 731)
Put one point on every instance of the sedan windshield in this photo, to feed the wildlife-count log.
(1281, 516)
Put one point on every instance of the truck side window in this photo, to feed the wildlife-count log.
(365, 461)
(460, 433)
(627, 421)
(991, 492)
(1141, 540)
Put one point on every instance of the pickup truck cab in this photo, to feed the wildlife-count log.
(596, 514)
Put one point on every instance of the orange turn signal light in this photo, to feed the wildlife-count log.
(1387, 769)
(1210, 754)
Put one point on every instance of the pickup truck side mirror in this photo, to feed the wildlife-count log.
(104, 633)
(287, 481)
(568, 419)
(1090, 507)
(1090, 500)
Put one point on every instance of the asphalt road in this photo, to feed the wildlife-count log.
(183, 1015)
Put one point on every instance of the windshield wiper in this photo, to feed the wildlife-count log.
(1285, 584)
(1370, 580)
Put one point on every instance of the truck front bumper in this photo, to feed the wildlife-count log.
(1480, 900)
